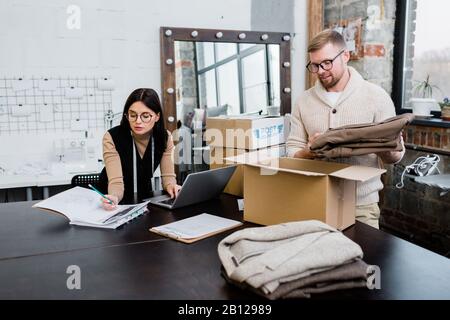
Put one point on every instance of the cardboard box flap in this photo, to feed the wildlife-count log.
(276, 169)
(358, 173)
(243, 116)
(261, 160)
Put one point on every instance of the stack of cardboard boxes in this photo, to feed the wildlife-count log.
(229, 136)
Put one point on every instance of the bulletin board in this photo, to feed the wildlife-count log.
(351, 31)
(45, 105)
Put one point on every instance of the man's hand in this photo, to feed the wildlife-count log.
(390, 157)
(306, 152)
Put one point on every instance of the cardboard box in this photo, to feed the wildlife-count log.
(287, 189)
(236, 184)
(218, 157)
(245, 132)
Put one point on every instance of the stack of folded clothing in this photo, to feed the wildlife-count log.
(292, 260)
(361, 139)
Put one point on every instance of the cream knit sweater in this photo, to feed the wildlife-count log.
(360, 102)
(265, 257)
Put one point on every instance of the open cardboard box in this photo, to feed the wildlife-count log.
(218, 157)
(280, 190)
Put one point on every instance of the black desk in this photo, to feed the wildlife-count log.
(132, 263)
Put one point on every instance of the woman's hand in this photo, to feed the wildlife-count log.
(107, 205)
(172, 189)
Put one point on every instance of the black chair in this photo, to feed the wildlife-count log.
(83, 180)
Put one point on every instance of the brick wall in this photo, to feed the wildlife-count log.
(186, 81)
(417, 212)
(377, 36)
(434, 138)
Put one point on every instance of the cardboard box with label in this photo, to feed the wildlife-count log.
(286, 189)
(245, 132)
(218, 157)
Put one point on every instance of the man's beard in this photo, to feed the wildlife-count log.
(334, 81)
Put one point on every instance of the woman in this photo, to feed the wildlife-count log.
(141, 134)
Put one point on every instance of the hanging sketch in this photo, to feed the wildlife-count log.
(35, 105)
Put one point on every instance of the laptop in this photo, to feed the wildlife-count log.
(198, 187)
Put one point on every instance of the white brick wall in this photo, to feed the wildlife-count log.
(117, 38)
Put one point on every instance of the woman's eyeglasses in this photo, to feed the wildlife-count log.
(325, 64)
(145, 116)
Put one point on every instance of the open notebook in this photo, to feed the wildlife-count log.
(83, 207)
(196, 228)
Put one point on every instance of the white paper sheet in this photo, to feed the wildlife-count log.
(83, 207)
(21, 110)
(79, 125)
(21, 84)
(48, 84)
(73, 93)
(105, 84)
(46, 113)
(240, 204)
(197, 226)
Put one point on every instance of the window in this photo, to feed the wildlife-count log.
(244, 76)
(422, 49)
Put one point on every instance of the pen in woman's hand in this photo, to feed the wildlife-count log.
(101, 194)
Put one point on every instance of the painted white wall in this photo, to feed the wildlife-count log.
(117, 38)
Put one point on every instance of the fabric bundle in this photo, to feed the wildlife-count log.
(292, 260)
(361, 139)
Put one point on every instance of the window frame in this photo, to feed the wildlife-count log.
(239, 56)
(403, 35)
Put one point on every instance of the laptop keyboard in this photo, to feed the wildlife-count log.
(168, 201)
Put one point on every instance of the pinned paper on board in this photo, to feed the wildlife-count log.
(48, 84)
(73, 93)
(21, 84)
(3, 105)
(105, 84)
(78, 125)
(48, 104)
(46, 113)
(21, 110)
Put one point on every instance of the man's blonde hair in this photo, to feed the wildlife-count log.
(324, 37)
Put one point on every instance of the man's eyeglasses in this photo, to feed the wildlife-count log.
(325, 64)
(145, 116)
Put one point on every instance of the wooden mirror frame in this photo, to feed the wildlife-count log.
(168, 36)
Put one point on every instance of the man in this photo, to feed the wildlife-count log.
(341, 97)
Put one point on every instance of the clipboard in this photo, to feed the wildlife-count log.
(195, 228)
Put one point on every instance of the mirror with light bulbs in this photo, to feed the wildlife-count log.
(207, 72)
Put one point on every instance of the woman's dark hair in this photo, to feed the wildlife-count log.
(150, 98)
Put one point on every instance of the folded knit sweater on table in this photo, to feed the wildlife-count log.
(265, 257)
(347, 276)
